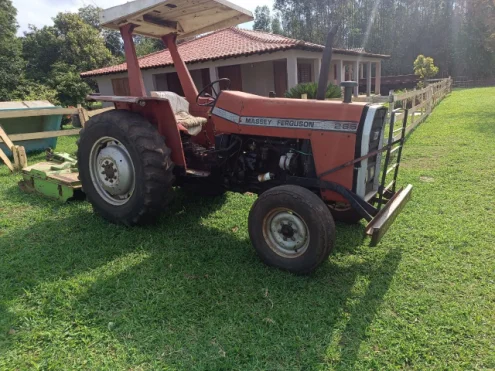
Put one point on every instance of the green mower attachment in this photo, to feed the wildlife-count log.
(56, 178)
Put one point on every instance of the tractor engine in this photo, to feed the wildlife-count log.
(247, 163)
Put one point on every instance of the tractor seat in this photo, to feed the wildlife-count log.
(180, 107)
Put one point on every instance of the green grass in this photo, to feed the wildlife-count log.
(189, 293)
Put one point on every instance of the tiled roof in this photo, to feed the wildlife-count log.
(226, 43)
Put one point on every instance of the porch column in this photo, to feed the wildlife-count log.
(361, 69)
(136, 84)
(331, 76)
(378, 77)
(368, 79)
(213, 76)
(291, 71)
(340, 71)
(316, 69)
(355, 75)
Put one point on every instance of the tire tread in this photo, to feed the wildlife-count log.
(155, 160)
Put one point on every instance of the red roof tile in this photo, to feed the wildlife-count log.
(226, 43)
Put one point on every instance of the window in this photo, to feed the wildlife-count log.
(303, 72)
(173, 83)
(160, 81)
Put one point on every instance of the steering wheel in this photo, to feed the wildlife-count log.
(204, 94)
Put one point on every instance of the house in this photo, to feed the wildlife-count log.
(255, 62)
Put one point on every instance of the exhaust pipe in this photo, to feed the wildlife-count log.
(348, 88)
(325, 64)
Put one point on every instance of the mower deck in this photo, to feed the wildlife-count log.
(52, 179)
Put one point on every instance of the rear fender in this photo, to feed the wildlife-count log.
(159, 113)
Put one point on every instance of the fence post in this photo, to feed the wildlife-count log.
(430, 99)
(391, 101)
(391, 106)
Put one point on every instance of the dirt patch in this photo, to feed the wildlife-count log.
(426, 179)
(428, 160)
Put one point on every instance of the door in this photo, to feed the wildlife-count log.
(121, 87)
(205, 78)
(233, 73)
(173, 83)
(280, 77)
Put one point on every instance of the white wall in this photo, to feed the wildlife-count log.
(105, 84)
(257, 78)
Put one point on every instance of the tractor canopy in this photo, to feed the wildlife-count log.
(185, 18)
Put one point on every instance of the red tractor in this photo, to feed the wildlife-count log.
(310, 161)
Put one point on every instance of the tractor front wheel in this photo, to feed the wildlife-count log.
(344, 213)
(291, 228)
(124, 167)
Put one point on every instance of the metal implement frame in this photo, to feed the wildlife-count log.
(389, 202)
(395, 167)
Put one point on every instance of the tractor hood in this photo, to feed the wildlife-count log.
(185, 18)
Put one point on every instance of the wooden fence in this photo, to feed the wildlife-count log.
(83, 115)
(419, 103)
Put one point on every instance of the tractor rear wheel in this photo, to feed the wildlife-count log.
(291, 228)
(124, 167)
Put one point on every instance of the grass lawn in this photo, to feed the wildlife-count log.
(189, 293)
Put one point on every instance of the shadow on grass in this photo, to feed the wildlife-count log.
(486, 123)
(189, 292)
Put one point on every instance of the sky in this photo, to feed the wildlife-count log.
(41, 12)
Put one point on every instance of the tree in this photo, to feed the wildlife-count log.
(425, 68)
(147, 45)
(41, 49)
(71, 89)
(113, 40)
(11, 63)
(276, 26)
(458, 34)
(55, 56)
(82, 45)
(262, 20)
(32, 90)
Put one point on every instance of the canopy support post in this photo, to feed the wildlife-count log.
(136, 84)
(190, 90)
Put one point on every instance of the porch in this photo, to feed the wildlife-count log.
(258, 74)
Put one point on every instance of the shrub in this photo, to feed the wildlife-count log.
(310, 88)
(425, 68)
(32, 90)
